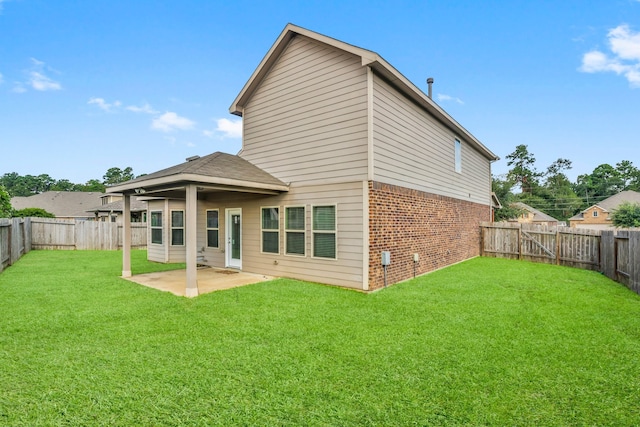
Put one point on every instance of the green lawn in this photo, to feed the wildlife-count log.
(484, 342)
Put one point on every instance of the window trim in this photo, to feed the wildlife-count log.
(334, 231)
(207, 228)
(287, 230)
(457, 155)
(276, 230)
(171, 227)
(157, 227)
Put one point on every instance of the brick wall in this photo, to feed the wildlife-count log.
(441, 230)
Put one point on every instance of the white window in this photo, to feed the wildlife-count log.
(177, 228)
(324, 231)
(156, 227)
(213, 228)
(595, 213)
(458, 156)
(270, 225)
(294, 229)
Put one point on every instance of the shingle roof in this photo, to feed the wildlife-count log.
(60, 203)
(537, 215)
(616, 200)
(214, 167)
(611, 203)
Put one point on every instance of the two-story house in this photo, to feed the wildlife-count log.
(343, 159)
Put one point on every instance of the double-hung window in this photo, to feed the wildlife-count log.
(213, 228)
(270, 223)
(177, 228)
(156, 227)
(324, 232)
(294, 229)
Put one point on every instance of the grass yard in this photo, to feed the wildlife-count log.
(484, 342)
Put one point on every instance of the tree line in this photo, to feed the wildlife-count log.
(551, 191)
(14, 185)
(28, 185)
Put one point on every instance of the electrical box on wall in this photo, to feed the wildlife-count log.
(386, 257)
(416, 257)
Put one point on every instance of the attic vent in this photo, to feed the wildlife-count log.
(192, 158)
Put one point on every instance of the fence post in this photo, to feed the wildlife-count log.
(520, 241)
(634, 260)
(607, 253)
(558, 245)
(27, 235)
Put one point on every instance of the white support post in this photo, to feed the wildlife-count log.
(126, 236)
(191, 240)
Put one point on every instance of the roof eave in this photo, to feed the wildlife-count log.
(139, 186)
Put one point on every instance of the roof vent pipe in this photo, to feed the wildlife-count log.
(429, 84)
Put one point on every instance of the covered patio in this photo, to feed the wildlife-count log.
(217, 173)
(209, 280)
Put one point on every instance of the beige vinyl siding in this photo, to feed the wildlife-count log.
(345, 271)
(165, 252)
(156, 252)
(308, 119)
(414, 150)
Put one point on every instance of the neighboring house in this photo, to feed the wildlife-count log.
(598, 216)
(342, 159)
(531, 215)
(63, 204)
(110, 209)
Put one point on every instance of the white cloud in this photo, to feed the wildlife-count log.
(443, 97)
(624, 58)
(38, 79)
(170, 121)
(146, 108)
(228, 128)
(102, 104)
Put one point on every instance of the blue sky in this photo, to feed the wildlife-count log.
(86, 86)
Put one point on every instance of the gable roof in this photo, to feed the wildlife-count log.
(538, 216)
(66, 204)
(219, 170)
(611, 203)
(368, 58)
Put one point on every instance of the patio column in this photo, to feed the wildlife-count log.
(126, 236)
(191, 240)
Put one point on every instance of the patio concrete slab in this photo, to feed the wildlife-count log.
(209, 280)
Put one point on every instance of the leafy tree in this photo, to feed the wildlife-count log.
(502, 188)
(523, 172)
(65, 185)
(603, 182)
(33, 212)
(629, 175)
(5, 203)
(93, 185)
(559, 199)
(117, 175)
(627, 215)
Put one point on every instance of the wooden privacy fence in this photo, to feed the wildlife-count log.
(47, 233)
(615, 253)
(15, 240)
